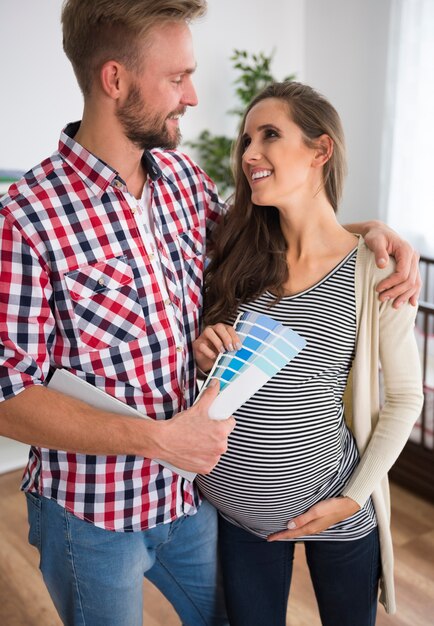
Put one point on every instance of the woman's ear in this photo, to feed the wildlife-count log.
(323, 150)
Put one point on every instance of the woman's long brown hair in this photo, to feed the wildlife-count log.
(249, 250)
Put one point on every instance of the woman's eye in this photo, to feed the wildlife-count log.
(270, 133)
(246, 143)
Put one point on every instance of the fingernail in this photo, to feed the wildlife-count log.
(213, 382)
(238, 345)
(230, 347)
(291, 525)
(382, 261)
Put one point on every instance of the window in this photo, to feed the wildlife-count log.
(407, 201)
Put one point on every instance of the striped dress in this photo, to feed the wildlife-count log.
(291, 447)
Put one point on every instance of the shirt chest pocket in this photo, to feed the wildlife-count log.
(192, 257)
(106, 304)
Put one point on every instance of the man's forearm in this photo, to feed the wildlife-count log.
(41, 417)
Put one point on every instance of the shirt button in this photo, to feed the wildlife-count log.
(117, 184)
(101, 282)
(133, 210)
(151, 257)
(179, 348)
(167, 301)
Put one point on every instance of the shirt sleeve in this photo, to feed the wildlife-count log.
(216, 207)
(26, 321)
(403, 399)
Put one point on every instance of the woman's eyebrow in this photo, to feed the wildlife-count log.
(266, 126)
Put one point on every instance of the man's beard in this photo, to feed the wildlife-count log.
(144, 130)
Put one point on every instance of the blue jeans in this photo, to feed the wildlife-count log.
(95, 576)
(257, 578)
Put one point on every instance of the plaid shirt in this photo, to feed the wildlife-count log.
(78, 290)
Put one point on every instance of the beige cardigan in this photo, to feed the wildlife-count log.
(384, 335)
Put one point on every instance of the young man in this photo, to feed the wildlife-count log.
(102, 249)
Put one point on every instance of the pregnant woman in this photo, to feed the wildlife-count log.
(300, 465)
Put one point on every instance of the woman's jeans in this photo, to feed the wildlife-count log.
(257, 578)
(95, 576)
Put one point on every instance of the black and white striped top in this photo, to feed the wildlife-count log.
(291, 447)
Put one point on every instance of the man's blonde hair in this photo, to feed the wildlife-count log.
(96, 31)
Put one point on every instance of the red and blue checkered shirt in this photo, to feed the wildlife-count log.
(79, 291)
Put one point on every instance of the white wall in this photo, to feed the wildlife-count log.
(338, 46)
(254, 26)
(346, 43)
(13, 455)
(40, 95)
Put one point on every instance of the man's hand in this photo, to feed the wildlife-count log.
(318, 518)
(211, 342)
(405, 283)
(193, 441)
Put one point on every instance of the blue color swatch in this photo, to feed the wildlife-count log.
(266, 344)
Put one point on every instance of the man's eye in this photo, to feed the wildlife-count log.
(177, 81)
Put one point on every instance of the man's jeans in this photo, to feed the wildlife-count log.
(95, 576)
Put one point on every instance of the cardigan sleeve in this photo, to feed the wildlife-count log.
(403, 399)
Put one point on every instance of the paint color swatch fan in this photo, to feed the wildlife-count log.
(267, 346)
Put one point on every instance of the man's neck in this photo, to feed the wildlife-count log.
(107, 142)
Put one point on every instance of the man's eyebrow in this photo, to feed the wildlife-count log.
(188, 70)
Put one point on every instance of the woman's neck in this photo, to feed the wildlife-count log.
(316, 243)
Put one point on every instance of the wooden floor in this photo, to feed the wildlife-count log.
(24, 600)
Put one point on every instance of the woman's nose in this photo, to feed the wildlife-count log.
(251, 153)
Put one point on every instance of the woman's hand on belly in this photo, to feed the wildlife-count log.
(318, 518)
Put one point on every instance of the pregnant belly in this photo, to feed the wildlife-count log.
(263, 491)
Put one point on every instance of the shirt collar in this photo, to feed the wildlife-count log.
(96, 174)
(151, 165)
